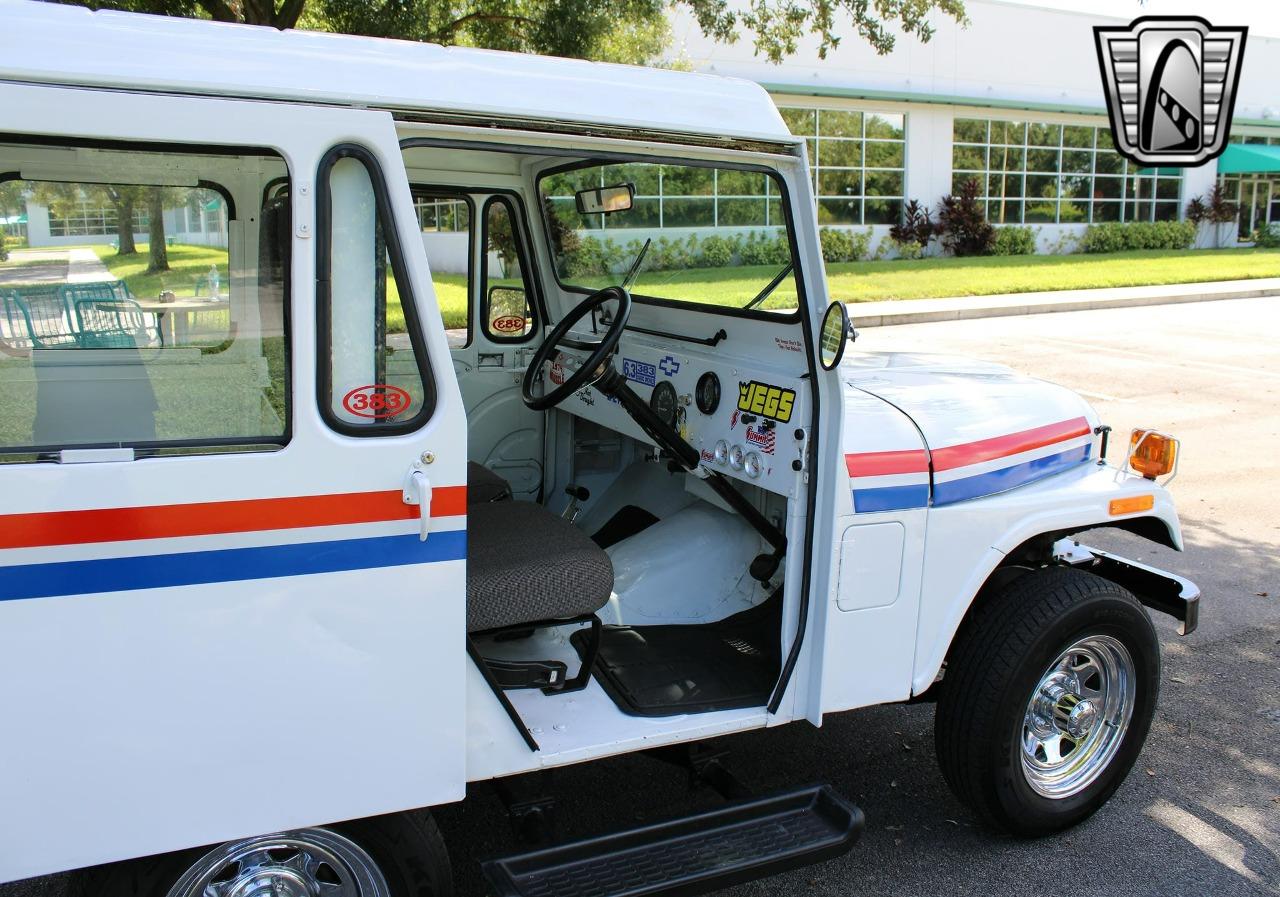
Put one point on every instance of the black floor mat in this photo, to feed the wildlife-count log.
(629, 520)
(669, 670)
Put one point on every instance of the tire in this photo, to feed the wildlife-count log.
(1006, 705)
(400, 855)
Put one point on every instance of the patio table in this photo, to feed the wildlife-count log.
(174, 318)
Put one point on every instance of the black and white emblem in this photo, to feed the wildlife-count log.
(1170, 84)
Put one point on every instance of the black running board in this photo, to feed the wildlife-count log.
(704, 852)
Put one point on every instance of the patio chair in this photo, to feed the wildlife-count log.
(38, 318)
(107, 317)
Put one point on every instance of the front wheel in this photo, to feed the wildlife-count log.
(1047, 700)
(401, 855)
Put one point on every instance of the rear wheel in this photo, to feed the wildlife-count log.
(1047, 701)
(388, 856)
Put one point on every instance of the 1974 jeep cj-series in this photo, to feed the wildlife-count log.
(284, 562)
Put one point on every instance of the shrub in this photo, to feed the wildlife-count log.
(1132, 235)
(843, 245)
(1014, 241)
(765, 249)
(962, 224)
(1265, 237)
(910, 237)
(717, 252)
(4, 252)
(586, 259)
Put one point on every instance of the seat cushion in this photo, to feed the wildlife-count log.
(526, 565)
(483, 485)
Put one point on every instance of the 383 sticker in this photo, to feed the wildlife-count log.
(755, 397)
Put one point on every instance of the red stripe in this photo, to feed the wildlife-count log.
(1002, 446)
(208, 518)
(876, 464)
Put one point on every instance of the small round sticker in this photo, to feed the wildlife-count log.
(377, 400)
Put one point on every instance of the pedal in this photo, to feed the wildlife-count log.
(692, 855)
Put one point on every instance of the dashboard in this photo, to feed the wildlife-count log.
(746, 421)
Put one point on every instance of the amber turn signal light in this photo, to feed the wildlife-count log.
(1152, 454)
(1132, 505)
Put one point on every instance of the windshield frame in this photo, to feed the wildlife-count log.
(784, 194)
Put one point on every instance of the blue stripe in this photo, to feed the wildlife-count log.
(891, 498)
(226, 565)
(995, 481)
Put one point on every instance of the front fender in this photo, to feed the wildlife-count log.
(968, 541)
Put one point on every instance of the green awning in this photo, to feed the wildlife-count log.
(1249, 158)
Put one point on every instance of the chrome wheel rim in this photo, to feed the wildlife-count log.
(1077, 717)
(306, 863)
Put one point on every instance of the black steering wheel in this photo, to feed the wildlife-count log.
(592, 369)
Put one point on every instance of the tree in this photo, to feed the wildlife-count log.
(607, 30)
(62, 199)
(159, 252)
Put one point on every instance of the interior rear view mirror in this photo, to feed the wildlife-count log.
(606, 200)
(836, 331)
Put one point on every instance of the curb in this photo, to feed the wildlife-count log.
(1012, 307)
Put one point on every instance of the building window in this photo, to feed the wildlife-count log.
(82, 217)
(857, 160)
(438, 215)
(1049, 173)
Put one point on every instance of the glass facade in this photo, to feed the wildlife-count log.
(857, 160)
(88, 219)
(1043, 172)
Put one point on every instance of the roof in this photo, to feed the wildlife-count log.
(1249, 158)
(52, 43)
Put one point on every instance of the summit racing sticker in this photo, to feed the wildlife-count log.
(640, 371)
(755, 397)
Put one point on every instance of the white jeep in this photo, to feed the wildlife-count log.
(492, 417)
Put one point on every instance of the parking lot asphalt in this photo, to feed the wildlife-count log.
(1200, 814)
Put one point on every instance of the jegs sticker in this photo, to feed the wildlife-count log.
(755, 397)
(377, 400)
(640, 371)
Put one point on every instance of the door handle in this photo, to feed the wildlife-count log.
(417, 491)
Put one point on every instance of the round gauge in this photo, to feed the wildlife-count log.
(722, 452)
(753, 464)
(735, 457)
(707, 394)
(663, 402)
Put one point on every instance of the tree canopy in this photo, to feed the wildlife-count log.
(607, 30)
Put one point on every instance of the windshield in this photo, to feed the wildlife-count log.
(716, 236)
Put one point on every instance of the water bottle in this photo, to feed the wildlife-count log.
(214, 281)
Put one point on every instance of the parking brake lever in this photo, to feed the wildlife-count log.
(577, 494)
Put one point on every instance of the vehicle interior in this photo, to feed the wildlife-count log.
(630, 358)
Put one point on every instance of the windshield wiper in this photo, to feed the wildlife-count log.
(634, 271)
(771, 286)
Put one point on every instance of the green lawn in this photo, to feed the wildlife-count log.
(848, 281)
(186, 263)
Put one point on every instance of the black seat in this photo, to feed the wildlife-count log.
(527, 566)
(484, 486)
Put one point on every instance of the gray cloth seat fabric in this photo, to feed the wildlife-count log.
(526, 565)
(483, 485)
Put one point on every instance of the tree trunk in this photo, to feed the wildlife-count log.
(155, 233)
(124, 227)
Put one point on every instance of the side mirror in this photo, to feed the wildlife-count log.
(507, 313)
(606, 200)
(836, 331)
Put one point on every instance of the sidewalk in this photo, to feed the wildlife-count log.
(921, 311)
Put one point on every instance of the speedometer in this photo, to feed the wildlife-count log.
(707, 395)
(663, 402)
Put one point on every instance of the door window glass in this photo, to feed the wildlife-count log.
(507, 307)
(371, 361)
(136, 309)
(444, 221)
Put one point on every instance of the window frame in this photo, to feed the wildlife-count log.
(404, 287)
(528, 268)
(784, 194)
(159, 448)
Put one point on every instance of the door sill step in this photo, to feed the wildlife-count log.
(695, 854)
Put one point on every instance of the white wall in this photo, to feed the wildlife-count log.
(446, 253)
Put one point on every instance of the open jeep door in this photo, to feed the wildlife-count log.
(232, 552)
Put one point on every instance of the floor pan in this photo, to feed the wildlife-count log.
(667, 670)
